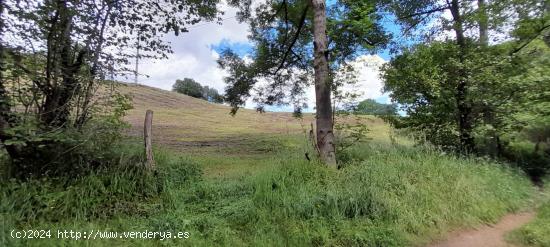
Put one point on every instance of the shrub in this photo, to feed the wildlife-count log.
(43, 151)
(194, 89)
(120, 187)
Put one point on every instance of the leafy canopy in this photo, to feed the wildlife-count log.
(281, 64)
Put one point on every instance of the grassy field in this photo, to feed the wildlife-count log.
(244, 181)
(225, 145)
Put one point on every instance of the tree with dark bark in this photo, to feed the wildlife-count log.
(469, 92)
(324, 123)
(488, 16)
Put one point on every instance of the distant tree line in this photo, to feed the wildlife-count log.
(371, 107)
(194, 89)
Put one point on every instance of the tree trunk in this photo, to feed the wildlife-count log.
(500, 147)
(546, 37)
(56, 108)
(147, 135)
(325, 133)
(483, 23)
(465, 125)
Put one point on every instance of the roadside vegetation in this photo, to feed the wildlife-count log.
(537, 232)
(386, 195)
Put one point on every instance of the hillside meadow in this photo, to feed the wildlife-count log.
(245, 181)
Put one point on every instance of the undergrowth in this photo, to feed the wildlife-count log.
(385, 195)
(537, 232)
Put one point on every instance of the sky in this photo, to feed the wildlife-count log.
(196, 52)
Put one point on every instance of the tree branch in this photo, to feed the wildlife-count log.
(529, 40)
(427, 12)
(296, 35)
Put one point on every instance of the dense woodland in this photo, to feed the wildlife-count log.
(469, 81)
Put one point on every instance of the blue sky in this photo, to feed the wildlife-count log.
(240, 48)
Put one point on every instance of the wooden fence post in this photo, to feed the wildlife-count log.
(147, 134)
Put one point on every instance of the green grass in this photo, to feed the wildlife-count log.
(387, 195)
(244, 181)
(225, 145)
(537, 232)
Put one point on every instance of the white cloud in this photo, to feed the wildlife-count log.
(369, 84)
(193, 56)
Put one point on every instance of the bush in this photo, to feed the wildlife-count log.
(371, 107)
(535, 164)
(194, 89)
(189, 87)
(123, 187)
(69, 150)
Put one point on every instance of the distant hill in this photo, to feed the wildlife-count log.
(184, 122)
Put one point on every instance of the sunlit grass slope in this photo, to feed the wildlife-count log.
(227, 145)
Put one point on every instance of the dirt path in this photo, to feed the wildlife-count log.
(487, 236)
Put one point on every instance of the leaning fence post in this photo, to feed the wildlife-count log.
(147, 134)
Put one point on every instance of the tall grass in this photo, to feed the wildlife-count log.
(386, 195)
(413, 194)
(122, 189)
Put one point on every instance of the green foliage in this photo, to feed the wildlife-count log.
(189, 87)
(50, 120)
(508, 98)
(372, 202)
(68, 151)
(371, 107)
(347, 135)
(192, 88)
(120, 187)
(212, 95)
(420, 81)
(537, 233)
(240, 82)
(116, 25)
